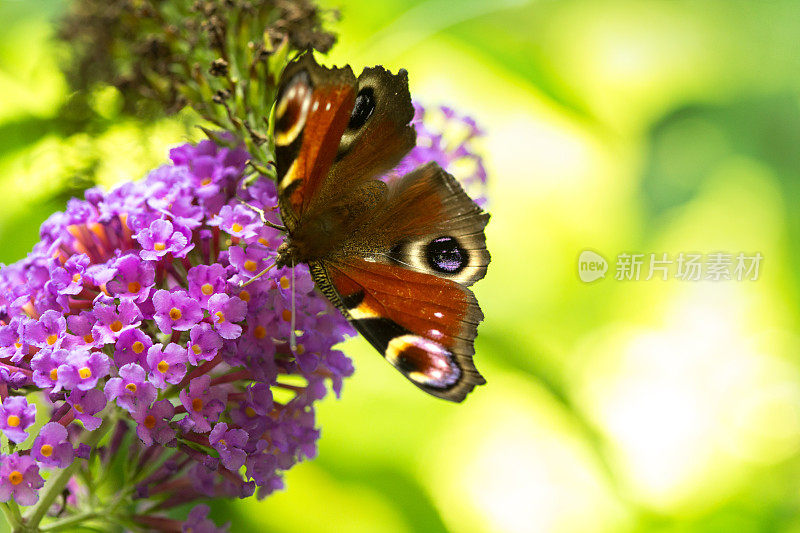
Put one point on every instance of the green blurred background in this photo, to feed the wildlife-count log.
(622, 126)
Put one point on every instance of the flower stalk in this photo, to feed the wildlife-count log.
(12, 514)
(55, 486)
(221, 58)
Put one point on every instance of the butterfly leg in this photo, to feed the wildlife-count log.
(251, 280)
(263, 216)
(292, 335)
(259, 171)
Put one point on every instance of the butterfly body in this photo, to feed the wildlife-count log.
(394, 256)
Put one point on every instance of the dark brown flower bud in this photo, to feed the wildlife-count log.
(161, 58)
(219, 68)
(221, 95)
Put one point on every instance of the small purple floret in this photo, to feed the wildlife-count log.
(51, 447)
(19, 479)
(16, 415)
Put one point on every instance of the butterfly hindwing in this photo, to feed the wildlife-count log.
(422, 324)
(405, 289)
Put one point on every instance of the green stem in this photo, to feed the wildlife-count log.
(69, 521)
(11, 512)
(56, 484)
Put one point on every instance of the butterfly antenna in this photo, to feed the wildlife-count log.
(251, 280)
(292, 336)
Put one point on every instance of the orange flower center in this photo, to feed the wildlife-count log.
(244, 295)
(85, 372)
(284, 283)
(88, 338)
(300, 349)
(76, 278)
(220, 316)
(78, 407)
(115, 326)
(54, 374)
(175, 313)
(15, 477)
(197, 404)
(159, 246)
(149, 421)
(250, 265)
(138, 347)
(206, 181)
(13, 421)
(286, 314)
(46, 450)
(51, 339)
(250, 412)
(134, 286)
(162, 366)
(196, 349)
(131, 387)
(207, 289)
(260, 332)
(236, 227)
(263, 241)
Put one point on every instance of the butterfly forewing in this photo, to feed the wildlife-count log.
(312, 111)
(378, 135)
(333, 132)
(429, 224)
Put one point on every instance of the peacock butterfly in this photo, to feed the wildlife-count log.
(396, 258)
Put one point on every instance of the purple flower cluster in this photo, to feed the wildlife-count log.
(131, 311)
(448, 138)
